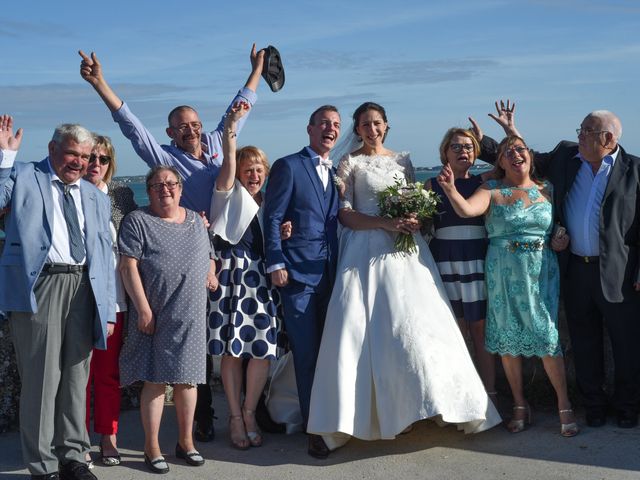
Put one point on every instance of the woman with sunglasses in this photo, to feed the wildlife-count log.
(522, 274)
(104, 374)
(166, 265)
(459, 246)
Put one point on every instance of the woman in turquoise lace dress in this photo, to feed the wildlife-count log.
(521, 274)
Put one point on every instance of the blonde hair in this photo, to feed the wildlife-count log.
(251, 154)
(105, 142)
(446, 142)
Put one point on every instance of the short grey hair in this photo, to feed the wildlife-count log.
(72, 131)
(610, 122)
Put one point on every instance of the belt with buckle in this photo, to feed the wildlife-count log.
(53, 268)
(586, 259)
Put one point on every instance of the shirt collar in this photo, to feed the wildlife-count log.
(313, 154)
(609, 160)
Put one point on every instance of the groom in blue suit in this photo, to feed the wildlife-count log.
(302, 190)
(57, 281)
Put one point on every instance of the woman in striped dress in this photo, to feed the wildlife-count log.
(459, 246)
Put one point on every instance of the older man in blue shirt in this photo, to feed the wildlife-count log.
(196, 154)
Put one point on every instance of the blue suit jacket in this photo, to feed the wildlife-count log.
(26, 189)
(295, 193)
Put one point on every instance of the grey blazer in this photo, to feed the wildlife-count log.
(26, 189)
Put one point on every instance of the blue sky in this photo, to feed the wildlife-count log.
(431, 64)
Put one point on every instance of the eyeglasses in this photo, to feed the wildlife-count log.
(458, 147)
(104, 159)
(588, 131)
(511, 153)
(157, 187)
(183, 127)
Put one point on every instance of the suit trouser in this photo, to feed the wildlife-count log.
(305, 308)
(587, 310)
(53, 349)
(104, 376)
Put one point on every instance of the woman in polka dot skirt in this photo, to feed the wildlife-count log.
(242, 321)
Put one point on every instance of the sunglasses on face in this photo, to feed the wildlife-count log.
(103, 159)
(458, 147)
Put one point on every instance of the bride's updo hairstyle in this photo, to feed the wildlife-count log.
(365, 107)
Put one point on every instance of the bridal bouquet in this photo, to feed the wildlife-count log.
(404, 200)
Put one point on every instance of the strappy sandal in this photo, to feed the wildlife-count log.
(255, 436)
(237, 434)
(517, 425)
(568, 429)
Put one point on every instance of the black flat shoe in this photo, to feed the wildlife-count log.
(203, 433)
(76, 471)
(627, 419)
(317, 448)
(157, 465)
(192, 458)
(596, 418)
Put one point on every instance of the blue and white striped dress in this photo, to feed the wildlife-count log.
(459, 247)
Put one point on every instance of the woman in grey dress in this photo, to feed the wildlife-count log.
(165, 265)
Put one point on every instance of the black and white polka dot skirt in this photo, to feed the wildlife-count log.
(243, 316)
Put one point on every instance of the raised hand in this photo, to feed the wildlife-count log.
(90, 68)
(7, 140)
(475, 128)
(506, 117)
(257, 59)
(238, 110)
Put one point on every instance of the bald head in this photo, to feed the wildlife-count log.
(609, 121)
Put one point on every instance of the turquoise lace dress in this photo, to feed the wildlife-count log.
(521, 272)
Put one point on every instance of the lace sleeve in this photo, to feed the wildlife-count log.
(344, 174)
(409, 172)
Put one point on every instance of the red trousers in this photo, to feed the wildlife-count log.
(105, 376)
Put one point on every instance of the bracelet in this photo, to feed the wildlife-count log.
(230, 133)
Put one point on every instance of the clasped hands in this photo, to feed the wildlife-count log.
(406, 225)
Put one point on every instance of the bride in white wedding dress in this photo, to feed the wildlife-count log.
(391, 351)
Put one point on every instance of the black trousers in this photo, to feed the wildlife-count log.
(587, 312)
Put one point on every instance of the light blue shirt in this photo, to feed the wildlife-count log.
(583, 205)
(198, 177)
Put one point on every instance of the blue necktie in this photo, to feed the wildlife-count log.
(76, 247)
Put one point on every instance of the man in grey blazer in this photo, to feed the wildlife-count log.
(597, 198)
(57, 283)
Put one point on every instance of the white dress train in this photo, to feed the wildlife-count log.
(391, 351)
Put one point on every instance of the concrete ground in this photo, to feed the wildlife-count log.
(428, 452)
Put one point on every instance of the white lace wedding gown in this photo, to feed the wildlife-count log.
(391, 351)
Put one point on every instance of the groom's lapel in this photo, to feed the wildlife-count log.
(310, 168)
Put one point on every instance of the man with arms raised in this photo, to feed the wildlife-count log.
(57, 283)
(196, 154)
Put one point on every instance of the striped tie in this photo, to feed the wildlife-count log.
(76, 247)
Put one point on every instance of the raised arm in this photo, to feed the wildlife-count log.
(474, 206)
(257, 62)
(9, 145)
(227, 175)
(7, 139)
(91, 72)
(506, 117)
